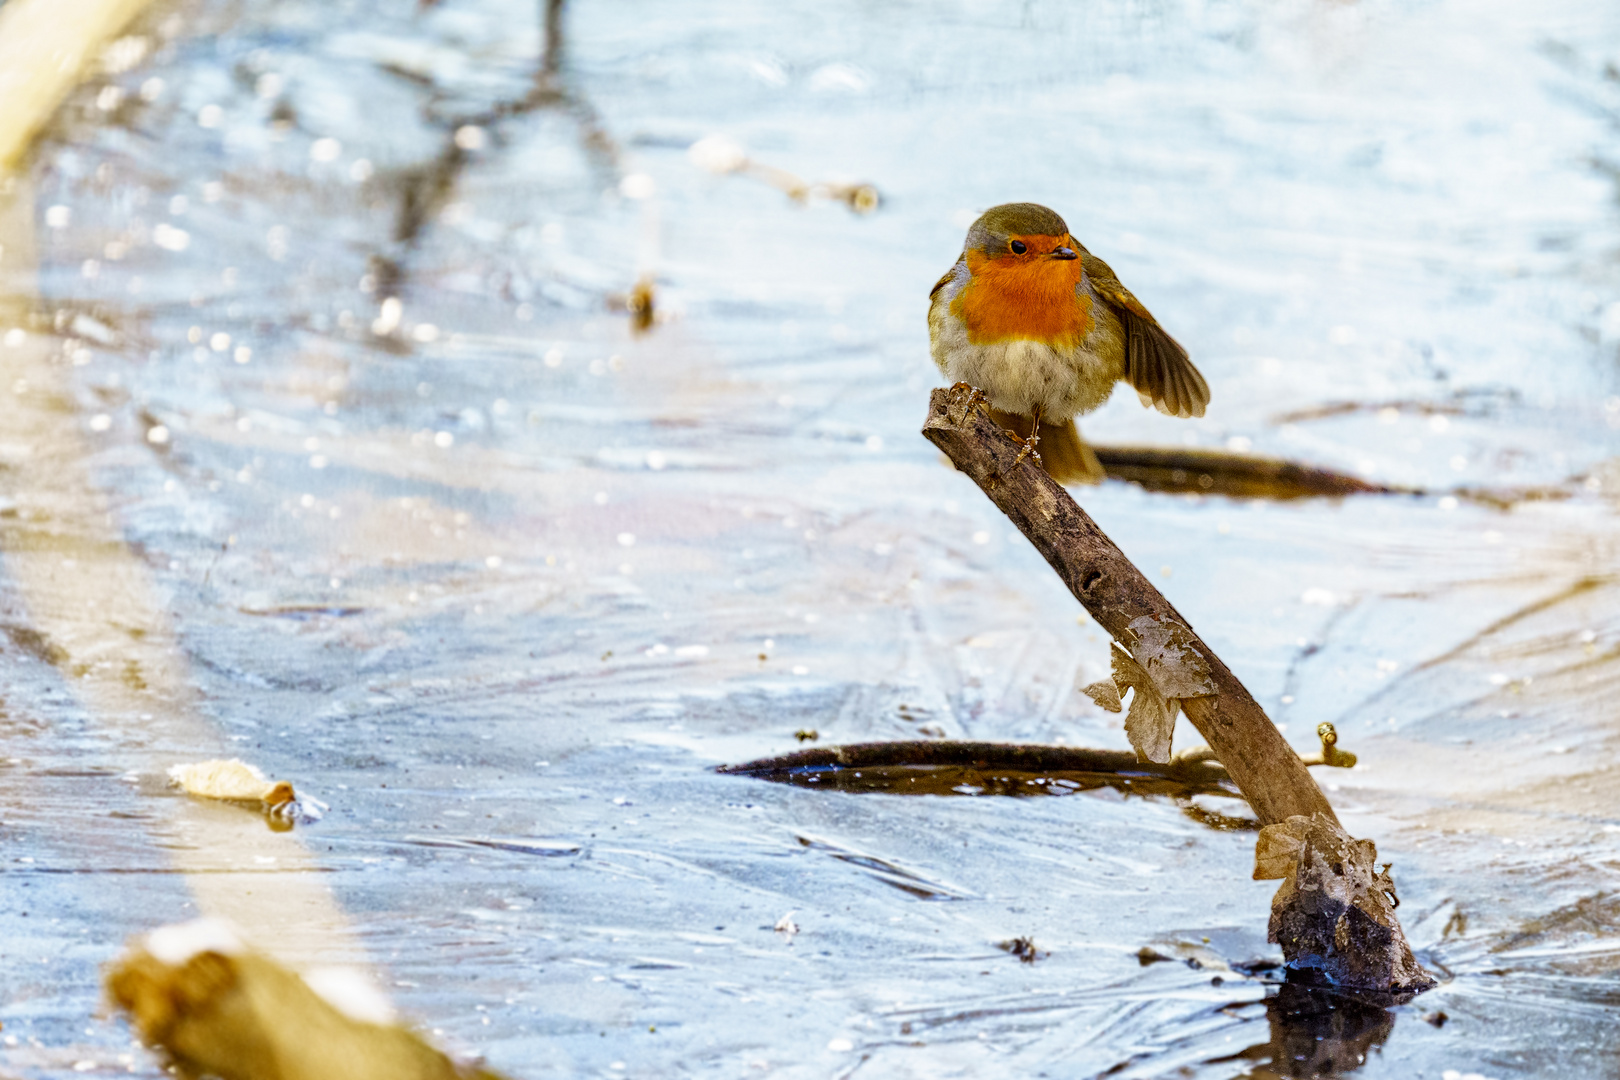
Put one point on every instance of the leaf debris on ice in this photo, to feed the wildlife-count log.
(234, 781)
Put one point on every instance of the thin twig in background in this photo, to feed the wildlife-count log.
(426, 188)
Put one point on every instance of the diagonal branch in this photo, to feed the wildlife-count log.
(1335, 914)
(1116, 594)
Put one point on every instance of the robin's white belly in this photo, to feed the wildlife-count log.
(1016, 376)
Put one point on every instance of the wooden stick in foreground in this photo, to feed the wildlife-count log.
(215, 1007)
(44, 45)
(1115, 593)
(1334, 915)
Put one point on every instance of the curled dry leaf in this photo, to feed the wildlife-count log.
(234, 780)
(1152, 719)
(1277, 851)
(1162, 667)
(1174, 663)
(1105, 694)
(1334, 914)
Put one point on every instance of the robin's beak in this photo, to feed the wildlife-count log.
(1064, 253)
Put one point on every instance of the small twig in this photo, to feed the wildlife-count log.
(861, 198)
(1331, 755)
(426, 188)
(721, 156)
(551, 18)
(1244, 476)
(1196, 766)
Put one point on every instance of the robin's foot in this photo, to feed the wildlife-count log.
(975, 400)
(1028, 445)
(975, 395)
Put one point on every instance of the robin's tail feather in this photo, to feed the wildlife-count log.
(1067, 458)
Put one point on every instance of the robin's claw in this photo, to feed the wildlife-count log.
(975, 400)
(1030, 443)
(975, 395)
(1028, 450)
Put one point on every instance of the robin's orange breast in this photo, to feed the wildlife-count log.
(1009, 299)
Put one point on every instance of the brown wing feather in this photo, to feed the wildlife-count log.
(1155, 363)
(940, 284)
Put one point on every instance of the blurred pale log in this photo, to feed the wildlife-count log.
(217, 1008)
(44, 47)
(123, 679)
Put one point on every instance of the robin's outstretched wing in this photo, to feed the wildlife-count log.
(1155, 364)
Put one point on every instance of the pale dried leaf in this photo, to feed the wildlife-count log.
(1167, 651)
(1105, 694)
(232, 780)
(1150, 725)
(1276, 852)
(1315, 854)
(1152, 720)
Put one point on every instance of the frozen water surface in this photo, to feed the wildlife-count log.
(327, 326)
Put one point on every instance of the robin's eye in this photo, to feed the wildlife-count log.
(1018, 247)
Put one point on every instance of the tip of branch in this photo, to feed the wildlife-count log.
(952, 407)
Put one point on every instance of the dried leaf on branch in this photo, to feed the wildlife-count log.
(1168, 652)
(1152, 719)
(1105, 694)
(1162, 667)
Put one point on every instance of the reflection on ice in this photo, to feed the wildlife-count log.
(1316, 1034)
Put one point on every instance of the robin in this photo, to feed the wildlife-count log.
(1045, 329)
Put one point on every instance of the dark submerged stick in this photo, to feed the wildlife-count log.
(1239, 476)
(1028, 758)
(1195, 768)
(935, 767)
(1115, 593)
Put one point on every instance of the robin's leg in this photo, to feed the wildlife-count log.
(975, 395)
(966, 397)
(1032, 442)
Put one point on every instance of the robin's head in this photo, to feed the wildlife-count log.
(1019, 233)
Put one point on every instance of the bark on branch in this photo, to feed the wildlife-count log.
(1115, 593)
(1335, 914)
